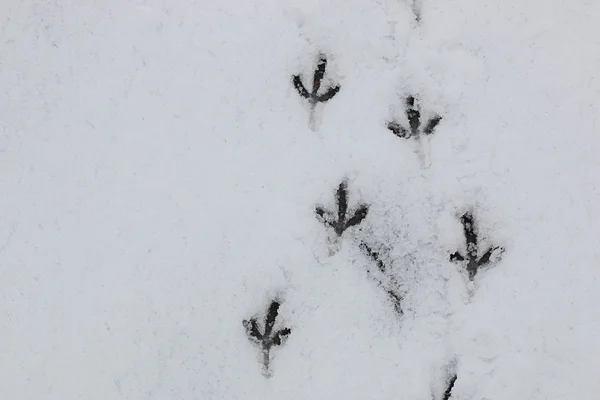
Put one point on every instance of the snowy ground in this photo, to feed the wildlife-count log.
(160, 179)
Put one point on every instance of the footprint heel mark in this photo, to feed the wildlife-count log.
(269, 338)
(473, 261)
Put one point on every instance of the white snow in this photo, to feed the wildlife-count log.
(159, 182)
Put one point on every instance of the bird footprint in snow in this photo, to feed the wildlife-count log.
(473, 261)
(416, 129)
(313, 96)
(342, 220)
(268, 338)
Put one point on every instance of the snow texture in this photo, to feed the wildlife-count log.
(160, 180)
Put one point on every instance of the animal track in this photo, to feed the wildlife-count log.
(395, 298)
(341, 223)
(268, 339)
(416, 9)
(373, 255)
(448, 391)
(473, 262)
(313, 96)
(414, 120)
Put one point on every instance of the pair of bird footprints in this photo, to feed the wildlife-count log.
(342, 220)
(472, 262)
(412, 109)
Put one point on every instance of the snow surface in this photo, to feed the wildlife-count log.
(159, 182)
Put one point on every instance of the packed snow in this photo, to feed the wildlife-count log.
(161, 178)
